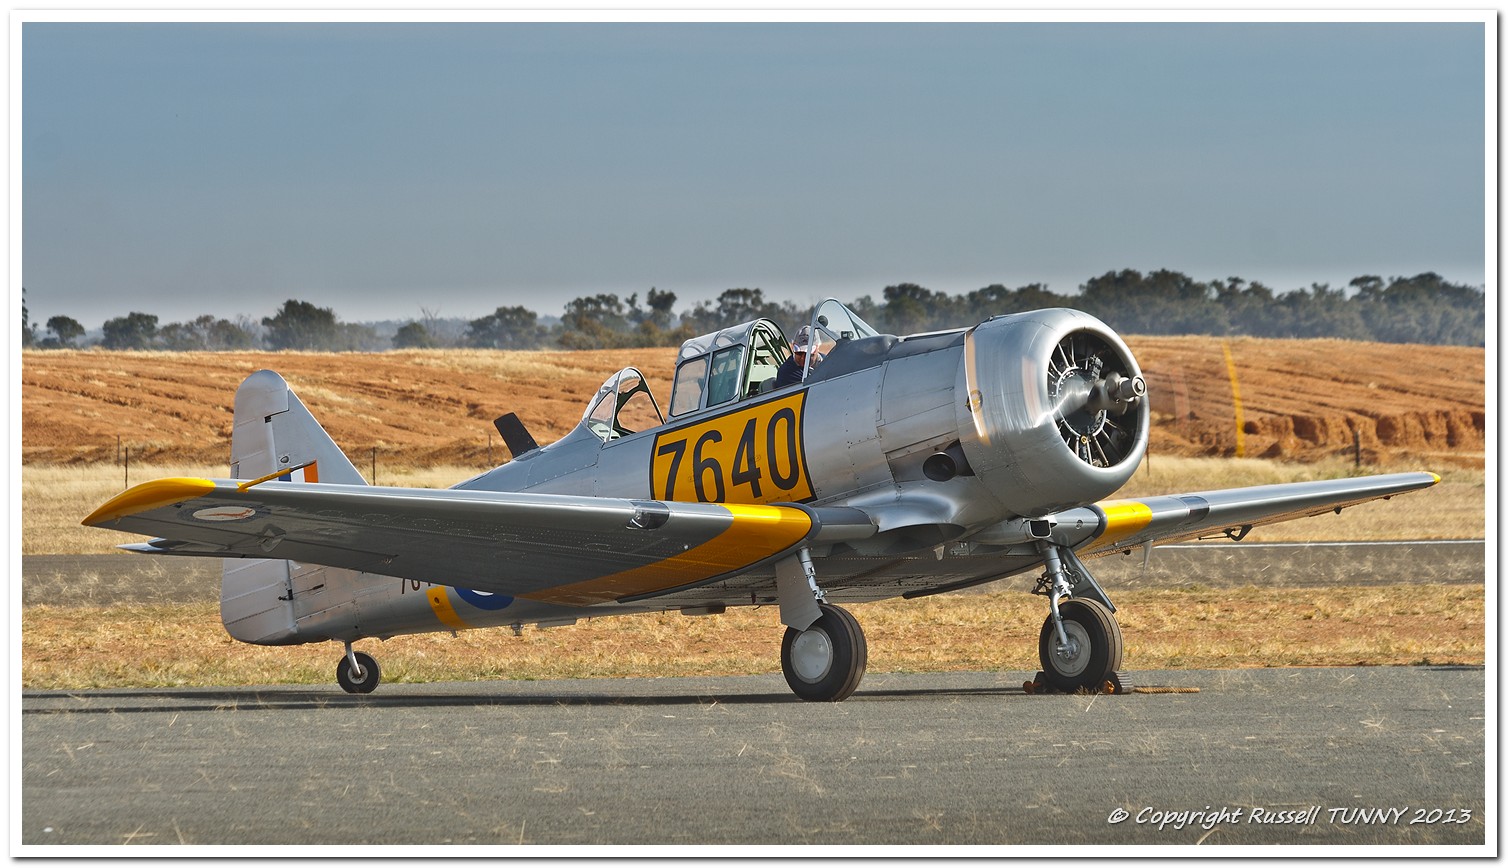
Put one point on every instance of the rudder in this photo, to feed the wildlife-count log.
(274, 431)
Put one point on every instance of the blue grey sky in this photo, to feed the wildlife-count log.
(183, 169)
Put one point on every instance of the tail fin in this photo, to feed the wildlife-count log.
(275, 431)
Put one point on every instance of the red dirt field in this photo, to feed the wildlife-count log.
(1302, 400)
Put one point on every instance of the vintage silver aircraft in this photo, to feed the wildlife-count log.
(900, 466)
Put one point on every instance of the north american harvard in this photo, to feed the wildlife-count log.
(901, 466)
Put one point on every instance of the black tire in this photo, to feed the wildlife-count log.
(1098, 635)
(825, 662)
(371, 674)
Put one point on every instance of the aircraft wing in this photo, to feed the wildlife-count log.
(581, 550)
(1091, 531)
(554, 548)
(1122, 524)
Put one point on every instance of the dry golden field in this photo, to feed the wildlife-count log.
(426, 417)
(183, 645)
(1301, 400)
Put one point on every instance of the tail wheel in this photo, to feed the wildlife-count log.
(366, 681)
(826, 661)
(1093, 652)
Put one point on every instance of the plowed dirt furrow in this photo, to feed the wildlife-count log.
(1301, 400)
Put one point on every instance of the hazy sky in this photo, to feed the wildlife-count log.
(383, 168)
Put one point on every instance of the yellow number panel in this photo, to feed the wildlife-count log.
(751, 455)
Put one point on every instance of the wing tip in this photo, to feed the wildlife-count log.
(148, 495)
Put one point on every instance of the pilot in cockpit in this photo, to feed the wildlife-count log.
(792, 369)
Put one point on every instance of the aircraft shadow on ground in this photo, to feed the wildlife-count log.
(117, 702)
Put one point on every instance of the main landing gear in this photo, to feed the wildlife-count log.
(824, 653)
(825, 662)
(357, 672)
(1080, 646)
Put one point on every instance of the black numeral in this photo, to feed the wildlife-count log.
(676, 449)
(745, 465)
(788, 481)
(701, 464)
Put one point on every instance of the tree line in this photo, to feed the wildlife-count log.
(1422, 309)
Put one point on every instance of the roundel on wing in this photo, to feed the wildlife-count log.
(485, 600)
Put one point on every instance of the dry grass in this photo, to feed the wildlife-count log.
(56, 498)
(184, 645)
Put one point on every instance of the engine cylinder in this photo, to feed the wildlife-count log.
(1056, 414)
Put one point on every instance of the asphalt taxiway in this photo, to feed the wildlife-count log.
(1277, 756)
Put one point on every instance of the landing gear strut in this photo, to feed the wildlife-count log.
(825, 662)
(1080, 646)
(357, 672)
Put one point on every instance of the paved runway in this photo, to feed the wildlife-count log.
(1282, 756)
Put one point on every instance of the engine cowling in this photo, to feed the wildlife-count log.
(1056, 412)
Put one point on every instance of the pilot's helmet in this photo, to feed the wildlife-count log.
(803, 341)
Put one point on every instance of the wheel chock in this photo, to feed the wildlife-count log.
(1118, 684)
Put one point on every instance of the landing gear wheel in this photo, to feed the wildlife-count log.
(1094, 646)
(366, 682)
(825, 662)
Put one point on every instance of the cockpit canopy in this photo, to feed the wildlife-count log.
(715, 370)
(623, 405)
(741, 361)
(727, 366)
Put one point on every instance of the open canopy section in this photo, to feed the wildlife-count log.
(833, 323)
(622, 406)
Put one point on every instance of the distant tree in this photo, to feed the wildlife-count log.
(1159, 303)
(1321, 312)
(302, 326)
(204, 333)
(734, 306)
(28, 330)
(507, 328)
(414, 336)
(660, 308)
(655, 326)
(868, 311)
(594, 323)
(222, 334)
(910, 308)
(740, 305)
(356, 337)
(1423, 309)
(66, 329)
(430, 319)
(134, 331)
(253, 329)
